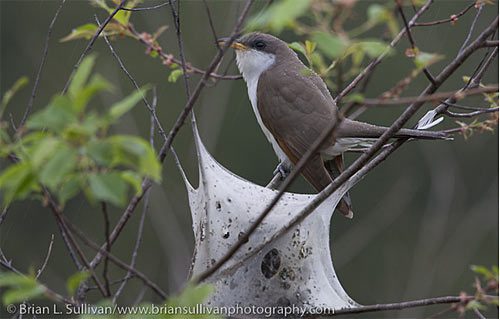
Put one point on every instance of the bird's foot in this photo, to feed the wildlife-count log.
(283, 169)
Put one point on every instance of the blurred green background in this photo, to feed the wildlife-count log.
(421, 218)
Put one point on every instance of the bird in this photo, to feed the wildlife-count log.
(293, 106)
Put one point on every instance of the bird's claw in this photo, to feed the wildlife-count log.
(283, 169)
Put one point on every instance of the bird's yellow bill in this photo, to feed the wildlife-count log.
(238, 46)
(234, 45)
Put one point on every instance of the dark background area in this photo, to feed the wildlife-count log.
(421, 218)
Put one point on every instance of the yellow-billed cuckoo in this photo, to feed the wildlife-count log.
(293, 107)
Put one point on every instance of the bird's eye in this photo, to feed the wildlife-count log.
(260, 45)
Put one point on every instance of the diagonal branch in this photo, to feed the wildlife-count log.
(90, 44)
(40, 68)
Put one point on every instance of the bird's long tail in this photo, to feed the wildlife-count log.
(350, 128)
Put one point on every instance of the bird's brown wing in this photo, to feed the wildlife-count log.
(296, 108)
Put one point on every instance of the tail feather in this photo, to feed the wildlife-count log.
(350, 128)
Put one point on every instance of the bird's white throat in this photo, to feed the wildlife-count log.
(252, 64)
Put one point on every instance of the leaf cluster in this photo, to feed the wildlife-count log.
(66, 148)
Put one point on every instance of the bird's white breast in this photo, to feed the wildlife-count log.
(251, 64)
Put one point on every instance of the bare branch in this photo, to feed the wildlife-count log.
(134, 82)
(47, 256)
(471, 114)
(91, 43)
(452, 18)
(147, 8)
(52, 295)
(472, 27)
(40, 68)
(148, 282)
(369, 69)
(105, 215)
(406, 304)
(412, 41)
(456, 95)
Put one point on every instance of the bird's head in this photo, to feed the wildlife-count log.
(256, 52)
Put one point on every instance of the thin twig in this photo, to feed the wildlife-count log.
(405, 305)
(369, 69)
(105, 216)
(51, 294)
(143, 215)
(71, 240)
(148, 282)
(147, 8)
(211, 22)
(3, 215)
(472, 27)
(491, 43)
(471, 114)
(452, 18)
(169, 58)
(459, 94)
(476, 80)
(40, 68)
(479, 314)
(161, 131)
(91, 43)
(180, 43)
(412, 41)
(138, 241)
(47, 256)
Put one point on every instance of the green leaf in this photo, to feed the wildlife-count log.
(62, 163)
(125, 105)
(16, 295)
(75, 280)
(355, 97)
(191, 295)
(17, 182)
(380, 14)
(100, 151)
(108, 187)
(134, 180)
(279, 15)
(331, 45)
(21, 287)
(81, 76)
(485, 272)
(18, 85)
(136, 152)
(69, 188)
(174, 75)
(474, 304)
(55, 117)
(373, 48)
(85, 31)
(8, 279)
(377, 13)
(43, 150)
(424, 59)
(298, 47)
(83, 96)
